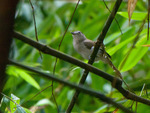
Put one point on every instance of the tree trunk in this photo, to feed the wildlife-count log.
(7, 14)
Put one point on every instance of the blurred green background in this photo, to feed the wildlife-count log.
(52, 18)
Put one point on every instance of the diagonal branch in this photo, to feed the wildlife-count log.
(114, 18)
(80, 87)
(96, 48)
(47, 50)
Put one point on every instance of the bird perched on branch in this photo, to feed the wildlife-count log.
(85, 47)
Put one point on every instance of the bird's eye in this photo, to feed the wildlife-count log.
(79, 32)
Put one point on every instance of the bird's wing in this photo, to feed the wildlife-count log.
(89, 43)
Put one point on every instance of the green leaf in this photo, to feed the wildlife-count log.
(133, 59)
(114, 49)
(4, 103)
(28, 78)
(115, 35)
(26, 110)
(13, 105)
(20, 110)
(135, 15)
(11, 70)
(44, 102)
(136, 54)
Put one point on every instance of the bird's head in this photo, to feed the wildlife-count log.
(77, 35)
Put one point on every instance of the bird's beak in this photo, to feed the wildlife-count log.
(72, 33)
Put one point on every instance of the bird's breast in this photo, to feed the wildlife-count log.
(82, 50)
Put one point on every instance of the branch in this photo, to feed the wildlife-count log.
(114, 17)
(47, 50)
(96, 48)
(105, 30)
(36, 34)
(80, 87)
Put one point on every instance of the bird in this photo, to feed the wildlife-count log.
(85, 47)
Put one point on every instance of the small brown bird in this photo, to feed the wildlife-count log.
(85, 47)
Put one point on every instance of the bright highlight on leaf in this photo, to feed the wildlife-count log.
(135, 56)
(13, 104)
(131, 7)
(19, 72)
(135, 15)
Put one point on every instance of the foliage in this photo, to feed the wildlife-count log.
(52, 18)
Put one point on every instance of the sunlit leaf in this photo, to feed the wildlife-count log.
(4, 103)
(13, 105)
(116, 35)
(136, 54)
(135, 15)
(44, 102)
(26, 110)
(114, 49)
(28, 78)
(18, 72)
(20, 110)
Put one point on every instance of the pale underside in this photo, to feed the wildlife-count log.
(85, 49)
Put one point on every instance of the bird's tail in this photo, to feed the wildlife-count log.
(115, 69)
(117, 73)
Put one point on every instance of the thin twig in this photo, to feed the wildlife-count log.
(80, 87)
(60, 46)
(36, 94)
(146, 93)
(54, 96)
(41, 55)
(136, 107)
(142, 89)
(10, 99)
(69, 24)
(114, 18)
(140, 95)
(36, 35)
